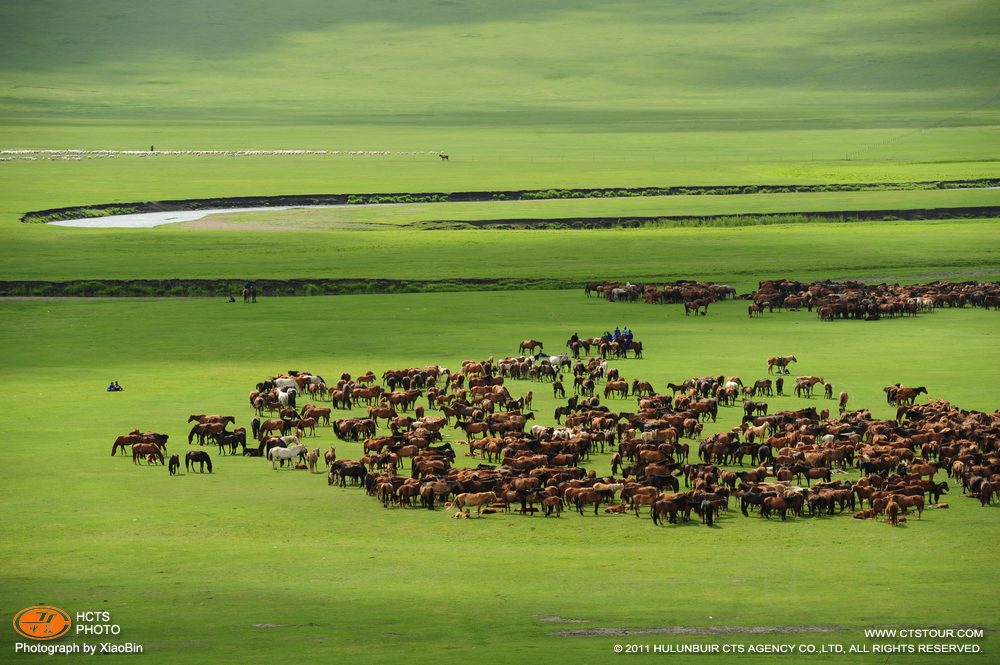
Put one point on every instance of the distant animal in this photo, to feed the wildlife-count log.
(198, 457)
(175, 464)
(443, 156)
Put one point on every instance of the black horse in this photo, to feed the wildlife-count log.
(175, 464)
(200, 457)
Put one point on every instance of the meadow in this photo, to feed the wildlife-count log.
(251, 564)
(340, 576)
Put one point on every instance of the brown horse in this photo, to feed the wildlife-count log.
(273, 425)
(922, 470)
(472, 428)
(892, 512)
(529, 345)
(478, 499)
(141, 450)
(124, 442)
(916, 501)
(202, 430)
(376, 412)
(781, 362)
(616, 387)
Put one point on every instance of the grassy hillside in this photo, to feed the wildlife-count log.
(645, 69)
(662, 94)
(373, 217)
(918, 250)
(192, 566)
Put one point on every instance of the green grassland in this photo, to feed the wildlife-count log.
(917, 250)
(662, 94)
(188, 565)
(520, 95)
(374, 216)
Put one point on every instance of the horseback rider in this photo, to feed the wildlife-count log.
(575, 337)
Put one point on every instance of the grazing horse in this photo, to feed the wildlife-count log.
(985, 494)
(707, 510)
(781, 362)
(141, 450)
(443, 156)
(529, 345)
(198, 457)
(281, 454)
(804, 385)
(175, 464)
(477, 499)
(123, 443)
(619, 387)
(843, 402)
(892, 512)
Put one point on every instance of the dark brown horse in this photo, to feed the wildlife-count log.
(123, 443)
(198, 457)
(141, 450)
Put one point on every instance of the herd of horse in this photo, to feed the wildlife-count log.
(834, 300)
(831, 299)
(539, 471)
(695, 296)
(775, 463)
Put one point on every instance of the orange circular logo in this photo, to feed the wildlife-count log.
(42, 622)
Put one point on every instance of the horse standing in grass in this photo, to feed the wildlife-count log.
(530, 345)
(781, 362)
(198, 457)
(282, 454)
(141, 450)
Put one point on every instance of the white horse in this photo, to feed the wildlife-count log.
(283, 396)
(279, 454)
(284, 384)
